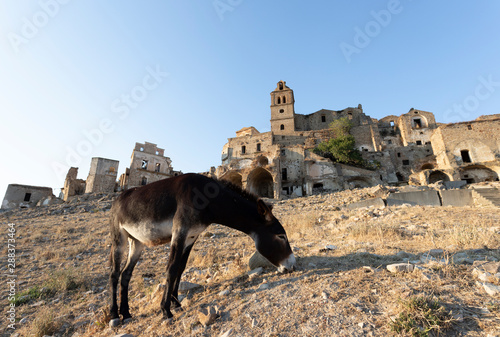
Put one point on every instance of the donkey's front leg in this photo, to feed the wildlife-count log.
(175, 293)
(174, 263)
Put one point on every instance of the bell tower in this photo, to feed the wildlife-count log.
(282, 109)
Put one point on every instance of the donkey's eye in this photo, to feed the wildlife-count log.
(282, 236)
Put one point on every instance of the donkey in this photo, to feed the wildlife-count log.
(176, 211)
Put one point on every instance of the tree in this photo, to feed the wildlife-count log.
(341, 147)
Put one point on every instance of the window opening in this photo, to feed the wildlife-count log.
(157, 167)
(243, 149)
(419, 142)
(27, 197)
(144, 181)
(418, 123)
(282, 127)
(258, 147)
(284, 174)
(323, 119)
(284, 99)
(465, 156)
(144, 164)
(406, 162)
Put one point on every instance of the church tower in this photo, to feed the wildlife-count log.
(282, 109)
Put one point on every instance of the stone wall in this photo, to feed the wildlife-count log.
(102, 176)
(24, 196)
(72, 185)
(148, 164)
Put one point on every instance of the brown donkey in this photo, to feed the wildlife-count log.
(176, 211)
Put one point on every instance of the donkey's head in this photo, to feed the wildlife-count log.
(271, 240)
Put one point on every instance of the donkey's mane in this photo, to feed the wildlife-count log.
(244, 193)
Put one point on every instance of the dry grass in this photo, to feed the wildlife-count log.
(44, 323)
(329, 286)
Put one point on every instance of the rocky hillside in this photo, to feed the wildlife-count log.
(364, 272)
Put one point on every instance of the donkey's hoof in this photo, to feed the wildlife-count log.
(114, 322)
(127, 320)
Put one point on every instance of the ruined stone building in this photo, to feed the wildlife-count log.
(148, 164)
(24, 196)
(72, 185)
(102, 176)
(411, 148)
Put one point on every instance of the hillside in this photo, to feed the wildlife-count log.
(340, 288)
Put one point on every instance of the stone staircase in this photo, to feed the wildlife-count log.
(486, 197)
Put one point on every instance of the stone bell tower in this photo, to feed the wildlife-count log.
(282, 109)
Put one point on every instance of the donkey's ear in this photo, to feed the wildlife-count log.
(264, 210)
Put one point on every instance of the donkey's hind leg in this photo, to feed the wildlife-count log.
(115, 258)
(135, 250)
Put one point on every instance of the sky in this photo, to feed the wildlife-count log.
(82, 79)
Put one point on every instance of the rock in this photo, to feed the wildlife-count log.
(257, 260)
(227, 333)
(330, 247)
(184, 286)
(400, 268)
(254, 323)
(224, 293)
(23, 320)
(426, 258)
(254, 272)
(208, 316)
(124, 335)
(114, 322)
(436, 252)
(491, 289)
(490, 267)
(263, 286)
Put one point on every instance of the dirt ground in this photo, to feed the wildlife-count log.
(341, 286)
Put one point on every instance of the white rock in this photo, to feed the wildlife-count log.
(114, 322)
(491, 289)
(224, 293)
(227, 333)
(255, 272)
(400, 267)
(330, 247)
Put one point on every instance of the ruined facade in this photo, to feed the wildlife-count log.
(468, 151)
(148, 164)
(102, 176)
(411, 147)
(24, 196)
(72, 185)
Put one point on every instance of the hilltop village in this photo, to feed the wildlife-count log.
(411, 148)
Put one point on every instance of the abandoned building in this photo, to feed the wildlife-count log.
(72, 185)
(410, 148)
(24, 196)
(148, 164)
(102, 176)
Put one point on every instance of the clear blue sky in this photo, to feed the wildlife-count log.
(68, 68)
